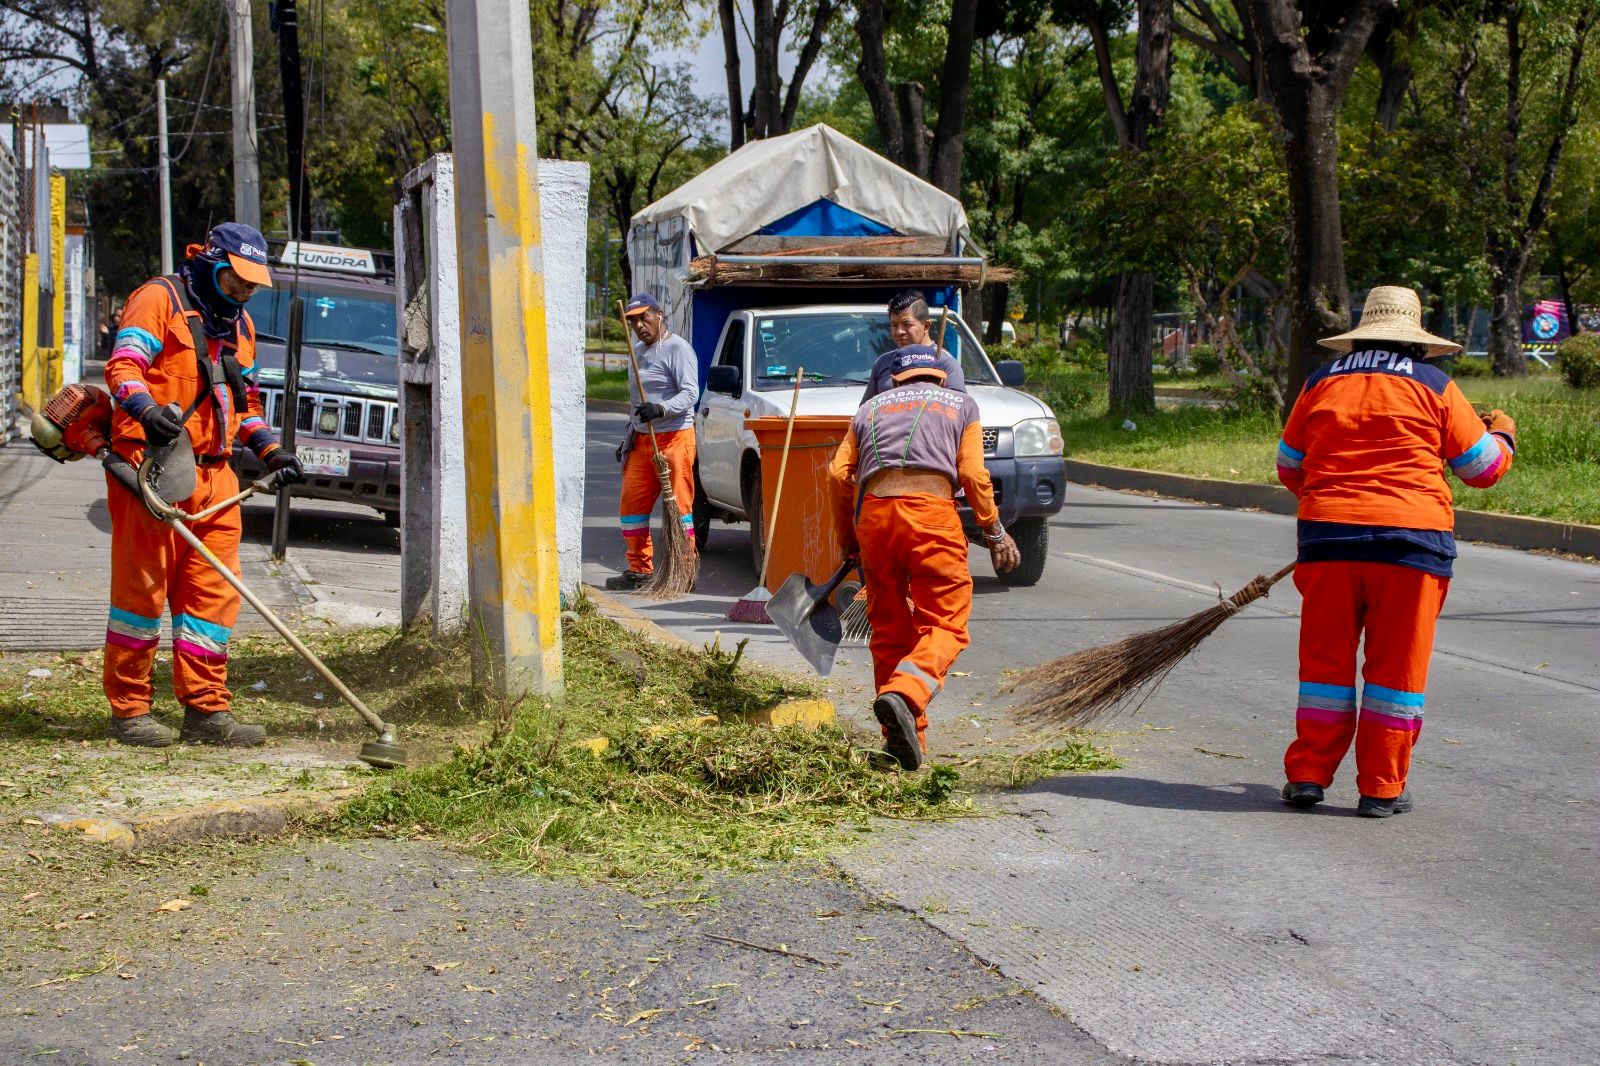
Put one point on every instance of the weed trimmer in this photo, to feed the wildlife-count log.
(75, 423)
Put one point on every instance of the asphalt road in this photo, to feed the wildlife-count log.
(1174, 909)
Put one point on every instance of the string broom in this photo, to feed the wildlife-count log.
(1078, 689)
(753, 607)
(677, 563)
(854, 615)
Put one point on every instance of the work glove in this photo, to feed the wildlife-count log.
(161, 425)
(1497, 421)
(649, 412)
(285, 468)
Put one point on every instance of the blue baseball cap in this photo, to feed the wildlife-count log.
(246, 250)
(916, 360)
(641, 302)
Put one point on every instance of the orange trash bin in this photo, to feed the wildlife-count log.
(803, 540)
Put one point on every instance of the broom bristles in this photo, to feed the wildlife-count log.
(677, 563)
(1076, 690)
(752, 609)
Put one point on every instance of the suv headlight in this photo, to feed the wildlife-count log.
(1037, 436)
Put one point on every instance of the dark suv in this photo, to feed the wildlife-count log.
(348, 419)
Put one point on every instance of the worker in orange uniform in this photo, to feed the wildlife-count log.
(671, 382)
(894, 477)
(1365, 450)
(157, 378)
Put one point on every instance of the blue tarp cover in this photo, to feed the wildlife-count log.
(824, 218)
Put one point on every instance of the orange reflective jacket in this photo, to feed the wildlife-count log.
(1370, 436)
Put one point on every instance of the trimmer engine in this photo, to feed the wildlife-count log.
(75, 422)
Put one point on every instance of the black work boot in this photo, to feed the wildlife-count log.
(1302, 794)
(626, 581)
(220, 727)
(1373, 807)
(140, 731)
(894, 714)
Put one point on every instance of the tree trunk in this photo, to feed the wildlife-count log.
(764, 97)
(1129, 363)
(1506, 266)
(996, 295)
(1130, 351)
(913, 127)
(872, 69)
(954, 81)
(730, 50)
(1320, 294)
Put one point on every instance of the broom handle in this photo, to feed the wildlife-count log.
(944, 323)
(783, 467)
(627, 337)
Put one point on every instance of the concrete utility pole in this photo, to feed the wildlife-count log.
(515, 593)
(164, 175)
(246, 172)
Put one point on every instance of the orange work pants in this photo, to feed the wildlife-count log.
(1396, 608)
(641, 487)
(152, 567)
(919, 594)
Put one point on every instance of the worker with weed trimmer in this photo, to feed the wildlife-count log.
(895, 476)
(664, 395)
(1365, 449)
(182, 375)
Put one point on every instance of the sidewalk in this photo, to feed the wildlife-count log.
(55, 559)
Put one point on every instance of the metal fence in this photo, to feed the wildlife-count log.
(11, 242)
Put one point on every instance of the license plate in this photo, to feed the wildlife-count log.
(329, 462)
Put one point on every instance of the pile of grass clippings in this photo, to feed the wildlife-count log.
(662, 802)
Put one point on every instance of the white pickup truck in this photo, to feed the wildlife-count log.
(752, 376)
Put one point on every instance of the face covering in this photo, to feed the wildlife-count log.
(219, 315)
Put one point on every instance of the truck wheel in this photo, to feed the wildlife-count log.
(1033, 540)
(391, 519)
(756, 516)
(702, 513)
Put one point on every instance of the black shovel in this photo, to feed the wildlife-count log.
(806, 616)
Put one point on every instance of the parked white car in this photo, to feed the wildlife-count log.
(752, 376)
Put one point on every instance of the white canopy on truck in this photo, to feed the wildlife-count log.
(770, 180)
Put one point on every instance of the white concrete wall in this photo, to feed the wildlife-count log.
(564, 217)
(564, 221)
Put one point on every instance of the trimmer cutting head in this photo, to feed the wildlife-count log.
(385, 752)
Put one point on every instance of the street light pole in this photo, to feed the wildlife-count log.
(164, 175)
(246, 170)
(513, 582)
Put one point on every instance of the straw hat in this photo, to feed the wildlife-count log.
(1392, 313)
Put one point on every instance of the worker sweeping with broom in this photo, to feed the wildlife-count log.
(664, 388)
(1362, 450)
(894, 477)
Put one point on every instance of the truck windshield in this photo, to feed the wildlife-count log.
(839, 347)
(335, 318)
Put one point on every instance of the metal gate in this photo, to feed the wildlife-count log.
(11, 241)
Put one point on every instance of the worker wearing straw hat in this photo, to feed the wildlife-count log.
(895, 476)
(1364, 449)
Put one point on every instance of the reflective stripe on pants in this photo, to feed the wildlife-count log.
(1396, 607)
(919, 594)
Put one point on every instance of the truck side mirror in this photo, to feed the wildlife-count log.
(1012, 373)
(726, 380)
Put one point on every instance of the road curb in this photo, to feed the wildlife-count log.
(1506, 531)
(257, 816)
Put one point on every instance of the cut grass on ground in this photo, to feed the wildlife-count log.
(1556, 475)
(664, 803)
(661, 803)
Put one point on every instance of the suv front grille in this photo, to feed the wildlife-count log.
(359, 421)
(991, 440)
